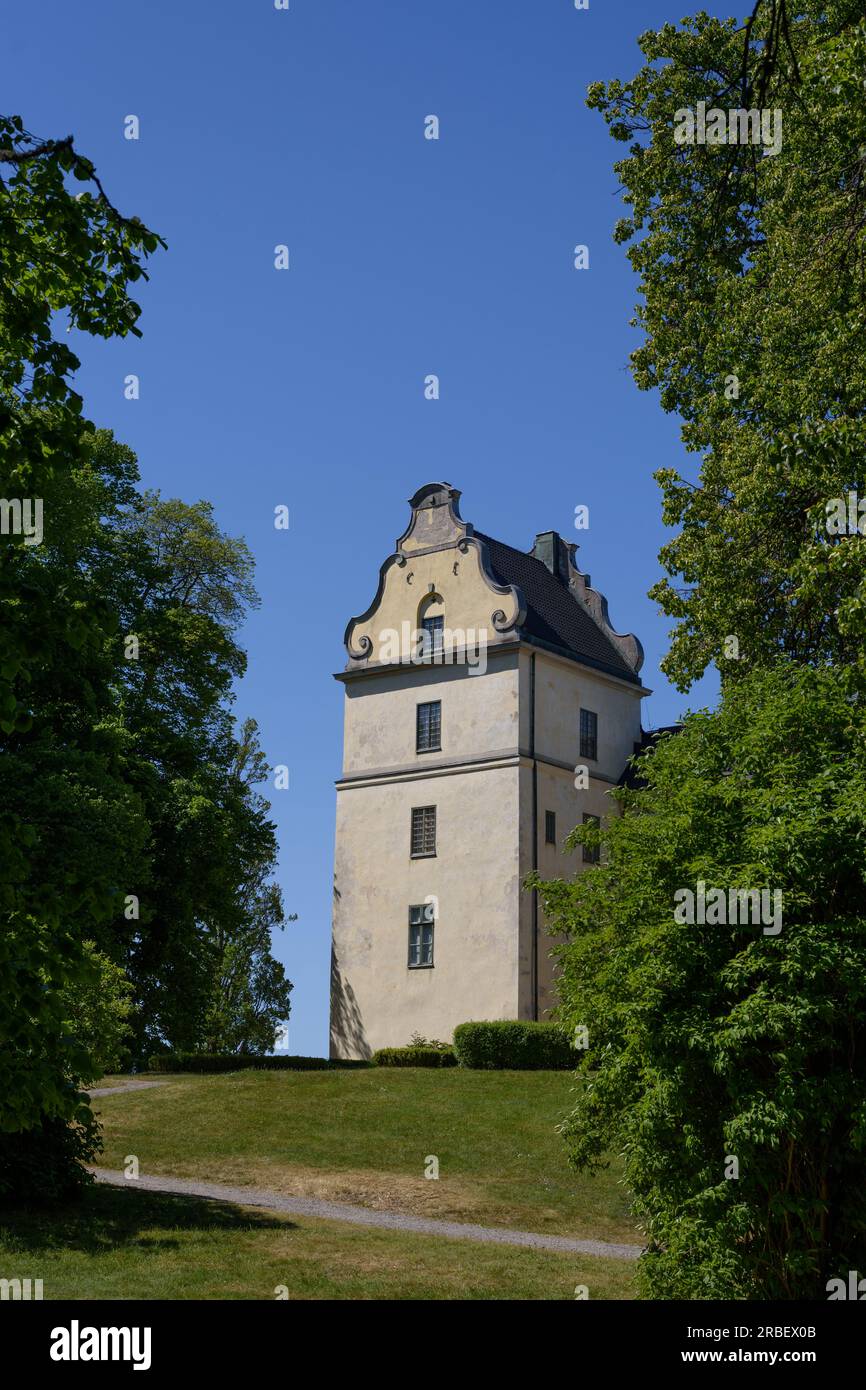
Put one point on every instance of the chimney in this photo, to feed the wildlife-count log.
(552, 551)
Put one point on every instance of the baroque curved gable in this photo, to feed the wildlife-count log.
(482, 586)
(437, 553)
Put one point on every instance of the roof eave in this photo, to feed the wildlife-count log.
(521, 639)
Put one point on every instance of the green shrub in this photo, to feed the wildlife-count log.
(415, 1057)
(512, 1045)
(46, 1163)
(418, 1040)
(225, 1062)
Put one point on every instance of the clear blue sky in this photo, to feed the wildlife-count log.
(407, 257)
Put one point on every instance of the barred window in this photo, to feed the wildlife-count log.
(550, 827)
(591, 852)
(588, 734)
(428, 727)
(421, 935)
(423, 839)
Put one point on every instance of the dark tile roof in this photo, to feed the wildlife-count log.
(630, 777)
(553, 615)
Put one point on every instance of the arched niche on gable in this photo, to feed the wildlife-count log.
(431, 622)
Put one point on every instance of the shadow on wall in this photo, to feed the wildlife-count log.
(347, 1028)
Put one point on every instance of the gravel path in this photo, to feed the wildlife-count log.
(363, 1216)
(130, 1086)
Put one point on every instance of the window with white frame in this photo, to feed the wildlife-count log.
(420, 936)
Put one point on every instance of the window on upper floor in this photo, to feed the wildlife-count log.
(591, 853)
(550, 827)
(428, 727)
(420, 936)
(423, 836)
(588, 734)
(433, 629)
(431, 625)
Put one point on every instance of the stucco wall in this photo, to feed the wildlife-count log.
(561, 689)
(378, 1000)
(479, 714)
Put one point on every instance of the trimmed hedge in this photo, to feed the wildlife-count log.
(223, 1062)
(415, 1057)
(512, 1045)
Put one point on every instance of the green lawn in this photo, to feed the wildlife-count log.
(140, 1245)
(364, 1137)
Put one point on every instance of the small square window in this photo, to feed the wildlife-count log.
(420, 936)
(591, 853)
(550, 827)
(423, 836)
(428, 727)
(588, 734)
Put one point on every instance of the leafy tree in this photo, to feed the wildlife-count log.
(63, 254)
(712, 1042)
(128, 838)
(98, 1014)
(751, 272)
(207, 906)
(249, 997)
(726, 1061)
(164, 805)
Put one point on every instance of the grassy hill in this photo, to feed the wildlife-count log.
(364, 1137)
(361, 1137)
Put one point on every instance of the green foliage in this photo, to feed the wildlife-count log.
(416, 1055)
(709, 1041)
(121, 776)
(418, 1040)
(98, 1012)
(705, 1040)
(250, 993)
(66, 254)
(203, 971)
(512, 1045)
(133, 773)
(45, 1163)
(40, 1061)
(214, 1062)
(752, 304)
